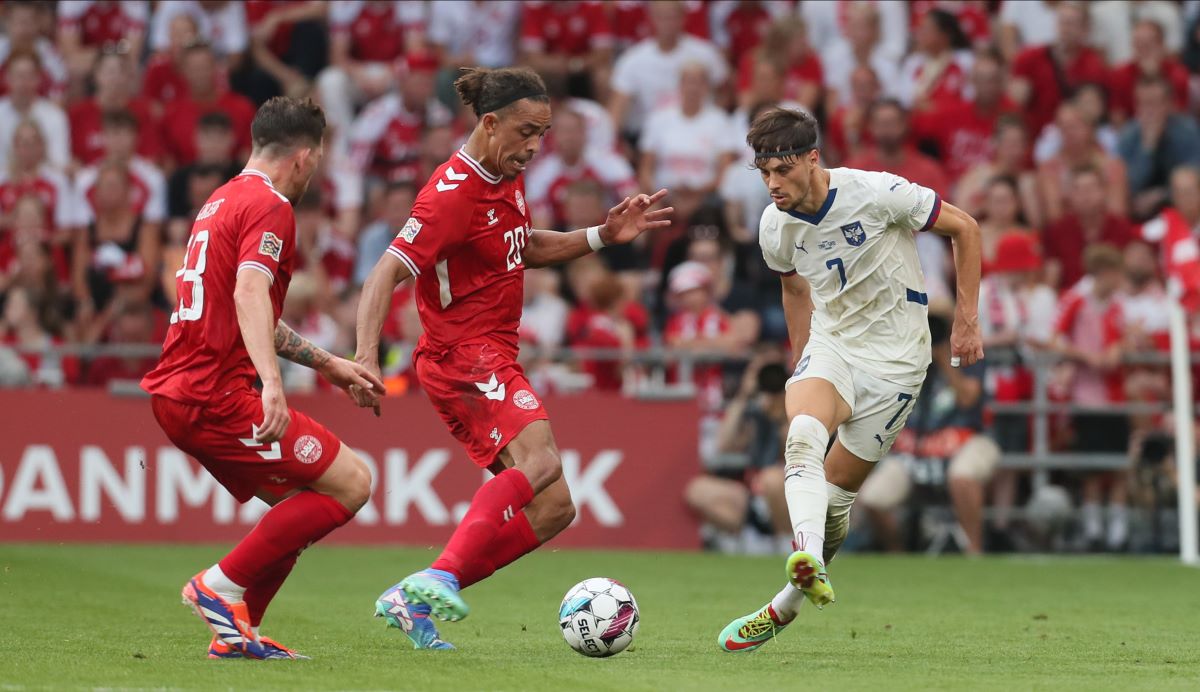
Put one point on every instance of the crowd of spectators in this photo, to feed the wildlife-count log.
(1066, 128)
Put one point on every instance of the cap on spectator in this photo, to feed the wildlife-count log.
(689, 275)
(130, 271)
(1017, 252)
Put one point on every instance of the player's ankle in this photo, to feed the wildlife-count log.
(216, 580)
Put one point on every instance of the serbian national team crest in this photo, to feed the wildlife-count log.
(308, 449)
(855, 235)
(271, 245)
(520, 201)
(525, 399)
(411, 228)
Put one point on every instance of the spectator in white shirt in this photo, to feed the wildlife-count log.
(23, 76)
(685, 148)
(861, 47)
(23, 24)
(646, 76)
(474, 32)
(221, 24)
(829, 23)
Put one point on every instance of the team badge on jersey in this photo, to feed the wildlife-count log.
(855, 235)
(525, 399)
(271, 246)
(411, 228)
(520, 201)
(308, 449)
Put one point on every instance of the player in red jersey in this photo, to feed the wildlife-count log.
(224, 332)
(467, 244)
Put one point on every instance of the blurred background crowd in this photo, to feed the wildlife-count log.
(1068, 129)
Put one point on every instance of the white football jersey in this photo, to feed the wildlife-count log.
(859, 255)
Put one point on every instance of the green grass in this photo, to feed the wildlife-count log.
(109, 616)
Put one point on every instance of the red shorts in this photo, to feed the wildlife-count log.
(482, 395)
(220, 435)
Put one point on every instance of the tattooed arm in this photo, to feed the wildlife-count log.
(360, 384)
(293, 347)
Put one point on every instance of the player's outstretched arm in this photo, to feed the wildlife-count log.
(966, 341)
(373, 306)
(624, 224)
(252, 298)
(797, 312)
(360, 384)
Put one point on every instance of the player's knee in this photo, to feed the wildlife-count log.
(543, 468)
(356, 488)
(807, 440)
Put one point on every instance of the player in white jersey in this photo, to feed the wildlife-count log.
(857, 313)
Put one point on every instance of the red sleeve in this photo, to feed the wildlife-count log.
(1114, 324)
(600, 31)
(268, 237)
(532, 19)
(437, 224)
(1025, 62)
(1068, 308)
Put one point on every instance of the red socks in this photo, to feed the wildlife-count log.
(516, 538)
(472, 550)
(285, 530)
(260, 594)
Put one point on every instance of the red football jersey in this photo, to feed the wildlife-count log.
(245, 225)
(463, 244)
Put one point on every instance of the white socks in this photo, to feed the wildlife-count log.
(837, 520)
(787, 603)
(804, 484)
(224, 587)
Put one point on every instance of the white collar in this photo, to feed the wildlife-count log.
(483, 173)
(259, 174)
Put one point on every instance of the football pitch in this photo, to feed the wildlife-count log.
(109, 617)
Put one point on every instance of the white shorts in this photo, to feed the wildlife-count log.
(878, 407)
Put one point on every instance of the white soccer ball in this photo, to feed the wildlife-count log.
(599, 617)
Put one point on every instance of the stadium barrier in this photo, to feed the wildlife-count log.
(80, 465)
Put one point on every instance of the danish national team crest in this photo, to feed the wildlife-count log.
(520, 201)
(855, 235)
(525, 399)
(308, 449)
(271, 245)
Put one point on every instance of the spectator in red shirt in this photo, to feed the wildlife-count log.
(698, 324)
(631, 20)
(1002, 217)
(204, 95)
(1080, 148)
(163, 81)
(963, 130)
(846, 128)
(114, 81)
(600, 322)
(23, 23)
(1045, 76)
(27, 323)
(1150, 58)
(132, 323)
(786, 46)
(1089, 338)
(147, 190)
(935, 73)
(972, 16)
(214, 157)
(385, 139)
(29, 174)
(546, 185)
(366, 38)
(1086, 223)
(1010, 158)
(569, 37)
(887, 121)
(85, 28)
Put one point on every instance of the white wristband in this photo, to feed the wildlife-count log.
(593, 238)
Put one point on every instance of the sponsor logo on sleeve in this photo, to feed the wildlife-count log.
(270, 246)
(411, 228)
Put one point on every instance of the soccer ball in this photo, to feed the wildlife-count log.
(598, 617)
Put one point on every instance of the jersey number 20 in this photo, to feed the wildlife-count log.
(516, 242)
(191, 303)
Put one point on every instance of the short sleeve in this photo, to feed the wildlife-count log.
(768, 240)
(267, 236)
(908, 206)
(624, 75)
(436, 223)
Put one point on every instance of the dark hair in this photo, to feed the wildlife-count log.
(772, 378)
(216, 120)
(285, 123)
(948, 25)
(120, 118)
(783, 133)
(885, 103)
(487, 91)
(397, 185)
(1151, 80)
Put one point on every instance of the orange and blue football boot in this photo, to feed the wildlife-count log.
(229, 622)
(275, 650)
